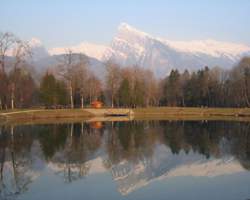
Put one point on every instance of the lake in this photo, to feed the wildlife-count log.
(126, 160)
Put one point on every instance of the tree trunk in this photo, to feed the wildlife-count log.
(246, 94)
(1, 106)
(13, 155)
(247, 100)
(2, 162)
(71, 133)
(90, 97)
(183, 102)
(82, 101)
(82, 128)
(71, 96)
(112, 100)
(12, 100)
(12, 96)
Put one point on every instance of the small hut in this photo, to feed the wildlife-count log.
(96, 104)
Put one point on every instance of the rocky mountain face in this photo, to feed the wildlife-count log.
(133, 47)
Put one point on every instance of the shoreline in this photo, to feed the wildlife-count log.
(152, 113)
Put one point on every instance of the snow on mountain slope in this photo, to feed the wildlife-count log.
(133, 47)
(38, 50)
(89, 49)
(35, 42)
(210, 47)
(128, 44)
(164, 165)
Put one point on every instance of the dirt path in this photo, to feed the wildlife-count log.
(21, 111)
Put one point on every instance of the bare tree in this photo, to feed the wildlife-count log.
(21, 51)
(7, 40)
(94, 86)
(151, 88)
(68, 72)
(83, 76)
(112, 80)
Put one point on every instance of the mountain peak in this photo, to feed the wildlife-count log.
(126, 28)
(34, 42)
(125, 25)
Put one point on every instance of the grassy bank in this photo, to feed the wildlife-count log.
(197, 112)
(152, 113)
(44, 114)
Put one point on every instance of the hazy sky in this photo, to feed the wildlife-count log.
(68, 22)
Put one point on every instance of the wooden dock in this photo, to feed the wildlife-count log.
(112, 112)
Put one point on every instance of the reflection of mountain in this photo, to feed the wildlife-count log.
(94, 166)
(163, 164)
(134, 153)
(132, 176)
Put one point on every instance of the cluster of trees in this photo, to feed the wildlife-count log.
(131, 86)
(71, 83)
(209, 87)
(17, 86)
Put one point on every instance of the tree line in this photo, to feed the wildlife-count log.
(72, 84)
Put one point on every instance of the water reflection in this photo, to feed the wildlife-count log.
(134, 153)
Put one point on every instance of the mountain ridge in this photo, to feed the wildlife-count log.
(131, 46)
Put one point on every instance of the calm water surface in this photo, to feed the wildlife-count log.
(126, 160)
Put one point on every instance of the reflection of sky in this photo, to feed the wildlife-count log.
(102, 186)
(179, 176)
(158, 174)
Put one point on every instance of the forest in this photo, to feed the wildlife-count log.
(71, 83)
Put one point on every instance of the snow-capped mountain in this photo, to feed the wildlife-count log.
(38, 50)
(133, 47)
(43, 59)
(89, 49)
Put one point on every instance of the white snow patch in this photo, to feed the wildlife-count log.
(89, 49)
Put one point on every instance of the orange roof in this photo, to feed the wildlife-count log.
(96, 104)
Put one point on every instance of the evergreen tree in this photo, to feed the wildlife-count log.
(172, 89)
(138, 94)
(52, 92)
(124, 93)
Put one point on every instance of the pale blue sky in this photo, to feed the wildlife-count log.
(68, 22)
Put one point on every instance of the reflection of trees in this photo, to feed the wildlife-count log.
(52, 138)
(132, 147)
(69, 148)
(240, 142)
(133, 141)
(173, 135)
(80, 144)
(205, 137)
(16, 163)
